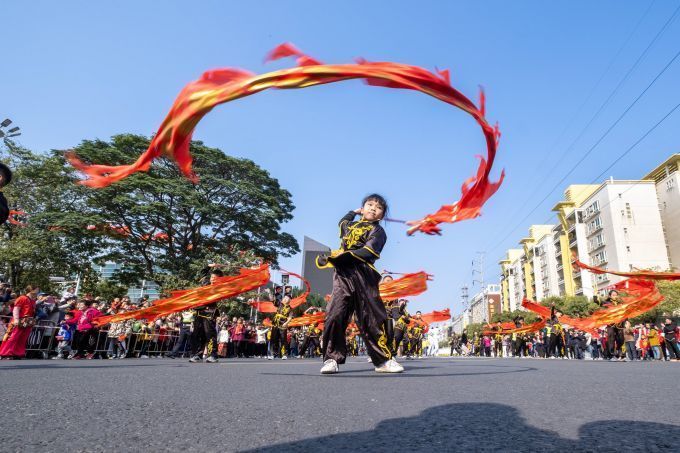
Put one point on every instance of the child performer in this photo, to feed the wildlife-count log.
(355, 289)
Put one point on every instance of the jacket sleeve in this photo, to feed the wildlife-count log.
(344, 221)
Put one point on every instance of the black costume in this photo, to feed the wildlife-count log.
(312, 338)
(556, 344)
(204, 334)
(498, 341)
(417, 340)
(279, 333)
(400, 329)
(355, 290)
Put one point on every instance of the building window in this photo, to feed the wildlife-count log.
(600, 257)
(628, 248)
(670, 184)
(629, 211)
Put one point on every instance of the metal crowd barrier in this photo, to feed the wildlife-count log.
(42, 342)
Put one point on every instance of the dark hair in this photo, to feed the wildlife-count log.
(612, 292)
(217, 272)
(7, 173)
(380, 200)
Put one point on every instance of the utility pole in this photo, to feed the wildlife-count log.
(464, 297)
(478, 268)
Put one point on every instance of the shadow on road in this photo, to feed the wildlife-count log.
(489, 427)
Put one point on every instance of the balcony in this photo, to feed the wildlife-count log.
(578, 291)
(596, 246)
(572, 244)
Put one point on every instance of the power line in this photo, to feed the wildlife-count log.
(592, 119)
(590, 150)
(621, 156)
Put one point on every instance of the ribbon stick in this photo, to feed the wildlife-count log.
(220, 86)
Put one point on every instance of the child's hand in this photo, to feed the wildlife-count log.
(359, 211)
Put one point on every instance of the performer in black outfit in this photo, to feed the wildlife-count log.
(5, 178)
(614, 331)
(204, 334)
(401, 327)
(498, 339)
(557, 343)
(279, 332)
(311, 338)
(356, 289)
(392, 308)
(417, 331)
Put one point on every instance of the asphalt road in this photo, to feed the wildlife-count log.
(438, 404)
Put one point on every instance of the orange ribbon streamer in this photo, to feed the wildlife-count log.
(639, 297)
(220, 86)
(307, 320)
(13, 218)
(649, 275)
(437, 316)
(408, 285)
(265, 306)
(222, 288)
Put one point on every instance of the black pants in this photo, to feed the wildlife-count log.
(313, 341)
(673, 349)
(417, 346)
(85, 341)
(204, 336)
(279, 341)
(498, 347)
(182, 339)
(555, 346)
(355, 291)
(398, 338)
(614, 341)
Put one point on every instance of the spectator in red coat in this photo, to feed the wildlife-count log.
(23, 319)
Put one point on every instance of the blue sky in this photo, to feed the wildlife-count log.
(86, 70)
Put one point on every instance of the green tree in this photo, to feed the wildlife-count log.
(53, 241)
(574, 306)
(507, 316)
(668, 308)
(175, 226)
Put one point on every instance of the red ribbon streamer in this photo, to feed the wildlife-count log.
(408, 285)
(222, 288)
(225, 85)
(649, 275)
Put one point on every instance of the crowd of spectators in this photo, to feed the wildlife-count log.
(63, 328)
(642, 341)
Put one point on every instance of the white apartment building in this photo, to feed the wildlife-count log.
(545, 267)
(460, 322)
(517, 290)
(667, 179)
(485, 303)
(619, 227)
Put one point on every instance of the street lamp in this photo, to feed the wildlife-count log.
(8, 133)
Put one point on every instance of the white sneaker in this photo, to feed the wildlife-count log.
(391, 366)
(285, 357)
(270, 357)
(368, 359)
(330, 366)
